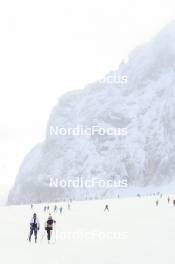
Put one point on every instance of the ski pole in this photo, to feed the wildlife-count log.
(43, 236)
(55, 233)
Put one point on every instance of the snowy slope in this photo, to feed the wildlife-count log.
(143, 232)
(145, 105)
(3, 197)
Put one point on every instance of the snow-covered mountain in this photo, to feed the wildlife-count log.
(3, 196)
(144, 105)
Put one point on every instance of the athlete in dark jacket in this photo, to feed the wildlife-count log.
(49, 227)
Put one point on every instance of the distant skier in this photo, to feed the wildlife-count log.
(68, 206)
(168, 199)
(106, 208)
(157, 202)
(31, 206)
(61, 210)
(34, 227)
(55, 208)
(49, 227)
(174, 202)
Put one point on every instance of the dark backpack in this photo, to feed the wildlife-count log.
(50, 223)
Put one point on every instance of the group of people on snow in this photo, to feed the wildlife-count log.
(35, 227)
(50, 223)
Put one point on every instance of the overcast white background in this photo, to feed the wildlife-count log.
(50, 47)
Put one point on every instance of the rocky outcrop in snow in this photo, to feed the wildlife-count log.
(144, 105)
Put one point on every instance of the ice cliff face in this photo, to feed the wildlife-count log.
(145, 105)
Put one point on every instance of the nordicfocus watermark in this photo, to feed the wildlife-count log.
(87, 183)
(92, 235)
(114, 79)
(87, 131)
